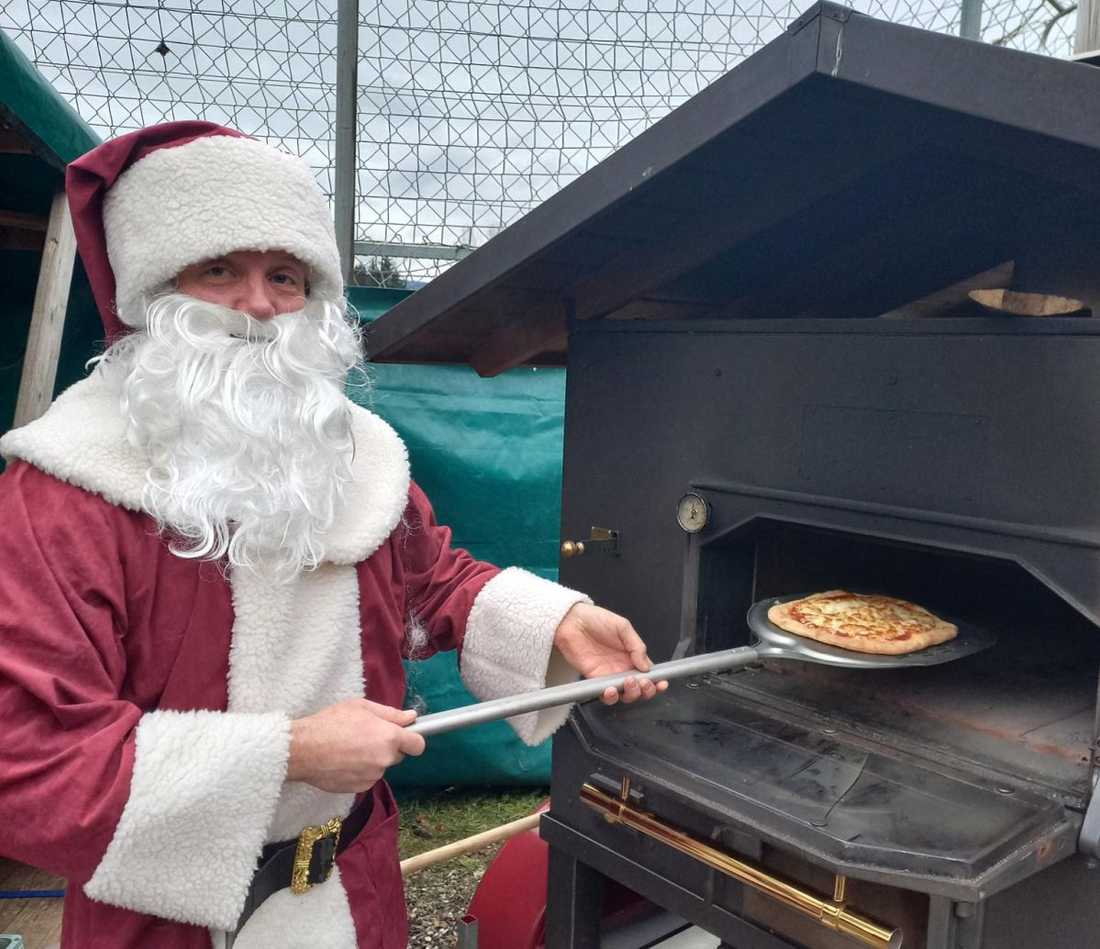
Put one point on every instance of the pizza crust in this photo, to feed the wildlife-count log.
(869, 623)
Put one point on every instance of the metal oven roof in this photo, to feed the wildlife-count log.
(896, 156)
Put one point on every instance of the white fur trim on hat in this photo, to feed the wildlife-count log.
(212, 196)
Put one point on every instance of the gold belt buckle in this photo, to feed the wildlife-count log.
(299, 877)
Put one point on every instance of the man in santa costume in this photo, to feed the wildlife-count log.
(211, 566)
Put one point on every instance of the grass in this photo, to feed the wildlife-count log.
(438, 896)
(432, 819)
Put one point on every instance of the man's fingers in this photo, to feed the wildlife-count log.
(633, 689)
(635, 647)
(411, 743)
(399, 716)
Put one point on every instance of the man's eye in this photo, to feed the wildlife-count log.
(285, 279)
(216, 271)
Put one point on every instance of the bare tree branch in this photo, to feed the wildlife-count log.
(1034, 18)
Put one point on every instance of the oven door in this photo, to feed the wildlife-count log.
(748, 819)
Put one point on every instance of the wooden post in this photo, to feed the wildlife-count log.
(469, 844)
(1087, 38)
(48, 317)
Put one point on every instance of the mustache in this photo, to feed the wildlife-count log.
(197, 321)
(310, 341)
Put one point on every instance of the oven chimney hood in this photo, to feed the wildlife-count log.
(845, 144)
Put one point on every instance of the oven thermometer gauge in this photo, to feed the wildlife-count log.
(692, 513)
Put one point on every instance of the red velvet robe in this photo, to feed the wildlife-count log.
(111, 647)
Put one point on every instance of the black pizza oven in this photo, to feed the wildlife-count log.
(791, 369)
(920, 459)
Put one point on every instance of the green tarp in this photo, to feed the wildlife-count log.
(38, 107)
(27, 185)
(488, 453)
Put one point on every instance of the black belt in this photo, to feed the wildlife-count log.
(305, 861)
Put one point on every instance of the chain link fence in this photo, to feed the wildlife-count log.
(470, 112)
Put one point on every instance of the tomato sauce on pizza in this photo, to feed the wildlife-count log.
(863, 622)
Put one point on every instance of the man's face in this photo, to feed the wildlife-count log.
(262, 284)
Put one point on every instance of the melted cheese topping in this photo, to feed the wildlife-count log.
(855, 614)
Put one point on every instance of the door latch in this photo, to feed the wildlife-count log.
(602, 539)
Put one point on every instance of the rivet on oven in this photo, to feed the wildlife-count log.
(693, 684)
(1004, 790)
(828, 731)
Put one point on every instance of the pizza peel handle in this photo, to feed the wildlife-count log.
(582, 691)
(773, 643)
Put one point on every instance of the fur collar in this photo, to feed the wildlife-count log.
(82, 440)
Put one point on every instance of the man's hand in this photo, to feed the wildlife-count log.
(597, 642)
(348, 746)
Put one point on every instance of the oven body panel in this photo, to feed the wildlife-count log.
(953, 462)
(1057, 908)
(974, 435)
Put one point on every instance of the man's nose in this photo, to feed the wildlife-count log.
(255, 297)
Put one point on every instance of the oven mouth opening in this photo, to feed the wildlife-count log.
(1025, 707)
(950, 779)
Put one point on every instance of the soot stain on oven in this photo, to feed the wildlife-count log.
(821, 777)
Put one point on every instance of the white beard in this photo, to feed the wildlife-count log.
(246, 427)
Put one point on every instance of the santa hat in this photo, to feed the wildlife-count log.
(149, 204)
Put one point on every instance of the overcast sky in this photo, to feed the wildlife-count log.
(470, 113)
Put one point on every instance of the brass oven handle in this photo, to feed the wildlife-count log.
(832, 914)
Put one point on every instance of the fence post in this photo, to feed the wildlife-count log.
(970, 20)
(1087, 39)
(347, 80)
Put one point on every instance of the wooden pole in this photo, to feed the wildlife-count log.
(51, 299)
(504, 832)
(1087, 39)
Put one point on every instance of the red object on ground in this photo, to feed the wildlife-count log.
(510, 902)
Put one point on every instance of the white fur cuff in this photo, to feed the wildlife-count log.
(509, 645)
(202, 795)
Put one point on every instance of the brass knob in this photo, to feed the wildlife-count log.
(572, 548)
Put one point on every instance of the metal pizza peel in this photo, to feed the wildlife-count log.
(771, 643)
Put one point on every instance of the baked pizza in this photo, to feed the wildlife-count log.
(863, 622)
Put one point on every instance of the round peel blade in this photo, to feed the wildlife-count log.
(777, 643)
